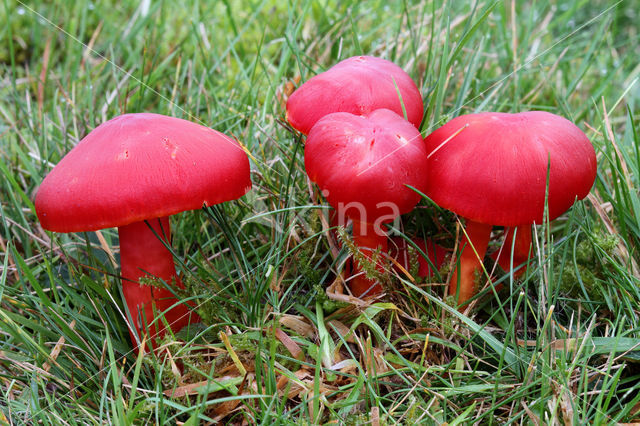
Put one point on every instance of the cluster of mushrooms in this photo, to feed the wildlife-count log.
(364, 151)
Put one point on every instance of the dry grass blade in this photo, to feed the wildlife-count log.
(43, 75)
(534, 418)
(56, 349)
(106, 248)
(335, 291)
(374, 415)
(232, 353)
(597, 203)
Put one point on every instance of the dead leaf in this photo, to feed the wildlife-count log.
(290, 344)
(195, 388)
(341, 329)
(225, 408)
(298, 324)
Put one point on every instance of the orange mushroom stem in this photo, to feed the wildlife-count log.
(472, 248)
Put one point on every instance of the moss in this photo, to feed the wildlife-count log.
(415, 412)
(414, 264)
(363, 419)
(588, 271)
(212, 310)
(309, 254)
(328, 305)
(356, 419)
(243, 342)
(366, 264)
(306, 261)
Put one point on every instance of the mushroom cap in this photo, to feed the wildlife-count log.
(492, 167)
(365, 162)
(359, 85)
(141, 166)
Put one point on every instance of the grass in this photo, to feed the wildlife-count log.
(559, 345)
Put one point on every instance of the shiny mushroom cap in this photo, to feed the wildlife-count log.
(358, 85)
(363, 163)
(492, 167)
(141, 166)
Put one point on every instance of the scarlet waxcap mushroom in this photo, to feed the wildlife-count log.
(136, 168)
(491, 168)
(363, 165)
(358, 85)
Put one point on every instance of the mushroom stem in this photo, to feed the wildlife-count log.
(143, 254)
(473, 247)
(521, 249)
(368, 239)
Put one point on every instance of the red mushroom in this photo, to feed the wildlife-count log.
(491, 168)
(363, 164)
(358, 85)
(132, 172)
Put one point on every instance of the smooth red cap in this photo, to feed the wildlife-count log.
(367, 160)
(359, 85)
(492, 167)
(141, 166)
